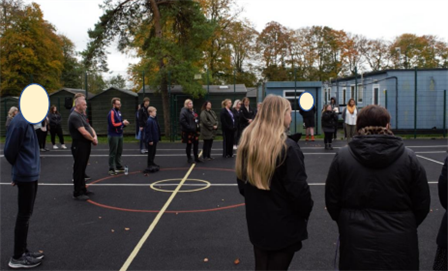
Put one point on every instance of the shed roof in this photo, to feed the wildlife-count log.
(74, 91)
(373, 73)
(126, 91)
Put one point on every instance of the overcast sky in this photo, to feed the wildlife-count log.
(384, 19)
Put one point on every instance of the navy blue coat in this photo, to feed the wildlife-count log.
(152, 131)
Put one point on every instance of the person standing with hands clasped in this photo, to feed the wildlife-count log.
(189, 122)
(209, 126)
(271, 176)
(115, 125)
(152, 135)
(83, 135)
(22, 152)
(377, 193)
(329, 122)
(349, 116)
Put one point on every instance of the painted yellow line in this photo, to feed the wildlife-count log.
(156, 220)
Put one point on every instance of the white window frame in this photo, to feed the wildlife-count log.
(292, 98)
(352, 91)
(373, 94)
(360, 91)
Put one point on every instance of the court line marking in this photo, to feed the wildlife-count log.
(429, 159)
(140, 185)
(156, 220)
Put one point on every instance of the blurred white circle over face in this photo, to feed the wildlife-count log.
(306, 101)
(34, 103)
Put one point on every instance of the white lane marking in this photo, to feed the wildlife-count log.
(429, 159)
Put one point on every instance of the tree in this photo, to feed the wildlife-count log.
(116, 81)
(31, 51)
(375, 52)
(169, 36)
(72, 71)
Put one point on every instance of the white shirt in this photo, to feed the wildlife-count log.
(349, 118)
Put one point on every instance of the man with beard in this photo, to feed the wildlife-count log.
(115, 125)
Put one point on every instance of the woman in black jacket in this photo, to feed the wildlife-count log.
(440, 262)
(248, 113)
(189, 122)
(378, 194)
(308, 120)
(271, 176)
(228, 126)
(329, 122)
(55, 127)
(238, 114)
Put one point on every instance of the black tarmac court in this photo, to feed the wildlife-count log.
(184, 217)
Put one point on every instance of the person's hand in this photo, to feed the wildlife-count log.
(95, 141)
(151, 143)
(126, 122)
(141, 128)
(13, 183)
(215, 127)
(250, 120)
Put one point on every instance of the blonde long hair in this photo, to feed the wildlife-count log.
(262, 143)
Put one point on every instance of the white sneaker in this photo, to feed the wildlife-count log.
(234, 147)
(55, 147)
(63, 146)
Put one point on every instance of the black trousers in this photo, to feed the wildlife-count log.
(228, 143)
(42, 137)
(207, 148)
(56, 130)
(27, 197)
(335, 133)
(272, 260)
(328, 137)
(195, 144)
(81, 153)
(151, 154)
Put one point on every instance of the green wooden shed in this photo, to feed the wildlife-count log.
(100, 105)
(63, 100)
(5, 104)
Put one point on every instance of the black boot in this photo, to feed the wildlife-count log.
(330, 147)
(190, 160)
(326, 146)
(197, 160)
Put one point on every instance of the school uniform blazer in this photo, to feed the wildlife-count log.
(226, 121)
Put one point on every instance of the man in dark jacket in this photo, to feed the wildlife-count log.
(22, 152)
(142, 118)
(378, 194)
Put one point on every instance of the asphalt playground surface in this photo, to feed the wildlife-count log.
(129, 225)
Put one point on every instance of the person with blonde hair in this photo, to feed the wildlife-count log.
(189, 121)
(13, 111)
(271, 176)
(228, 125)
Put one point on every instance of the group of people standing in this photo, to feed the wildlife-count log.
(205, 125)
(376, 191)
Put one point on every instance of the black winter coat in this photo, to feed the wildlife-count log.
(278, 218)
(247, 114)
(329, 121)
(188, 122)
(143, 116)
(442, 236)
(378, 194)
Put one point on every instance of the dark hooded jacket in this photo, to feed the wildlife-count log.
(442, 235)
(378, 194)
